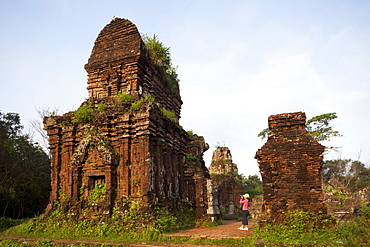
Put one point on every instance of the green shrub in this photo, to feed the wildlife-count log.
(11, 243)
(122, 97)
(6, 223)
(170, 114)
(102, 107)
(161, 57)
(357, 232)
(98, 193)
(299, 227)
(137, 104)
(84, 114)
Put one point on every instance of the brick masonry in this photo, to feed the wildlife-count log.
(228, 186)
(290, 164)
(134, 153)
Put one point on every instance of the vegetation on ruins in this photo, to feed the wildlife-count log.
(352, 174)
(294, 228)
(160, 55)
(24, 171)
(97, 194)
(137, 104)
(318, 127)
(87, 112)
(84, 113)
(122, 97)
(170, 114)
(102, 107)
(307, 228)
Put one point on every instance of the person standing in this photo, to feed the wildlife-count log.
(244, 200)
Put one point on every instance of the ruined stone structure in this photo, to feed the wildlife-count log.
(255, 207)
(341, 202)
(125, 148)
(222, 162)
(224, 181)
(290, 164)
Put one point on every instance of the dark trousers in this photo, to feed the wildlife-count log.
(245, 214)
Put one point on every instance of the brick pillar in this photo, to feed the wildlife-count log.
(290, 163)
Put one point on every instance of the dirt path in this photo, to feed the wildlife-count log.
(229, 229)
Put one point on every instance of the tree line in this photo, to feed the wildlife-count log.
(24, 171)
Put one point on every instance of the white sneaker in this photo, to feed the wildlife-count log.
(241, 228)
(245, 228)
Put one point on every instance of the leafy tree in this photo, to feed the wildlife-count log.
(318, 127)
(252, 185)
(24, 171)
(352, 174)
(335, 169)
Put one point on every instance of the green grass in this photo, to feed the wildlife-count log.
(306, 228)
(295, 228)
(170, 114)
(84, 113)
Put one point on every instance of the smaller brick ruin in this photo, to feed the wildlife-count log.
(290, 164)
(224, 181)
(341, 202)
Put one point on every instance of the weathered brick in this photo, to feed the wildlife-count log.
(140, 154)
(290, 163)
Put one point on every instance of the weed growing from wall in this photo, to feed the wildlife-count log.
(161, 57)
(101, 107)
(99, 193)
(84, 113)
(135, 106)
(122, 97)
(170, 114)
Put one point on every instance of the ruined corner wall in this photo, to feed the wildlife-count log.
(290, 164)
(130, 152)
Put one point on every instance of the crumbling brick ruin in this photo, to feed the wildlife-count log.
(122, 150)
(341, 202)
(290, 163)
(224, 181)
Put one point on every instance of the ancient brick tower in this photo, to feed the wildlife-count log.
(119, 150)
(290, 163)
(224, 181)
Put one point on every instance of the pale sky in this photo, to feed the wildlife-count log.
(238, 63)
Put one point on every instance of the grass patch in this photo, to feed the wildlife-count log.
(170, 114)
(6, 223)
(307, 228)
(84, 113)
(137, 104)
(296, 228)
(122, 97)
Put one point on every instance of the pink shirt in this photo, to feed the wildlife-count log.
(245, 203)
